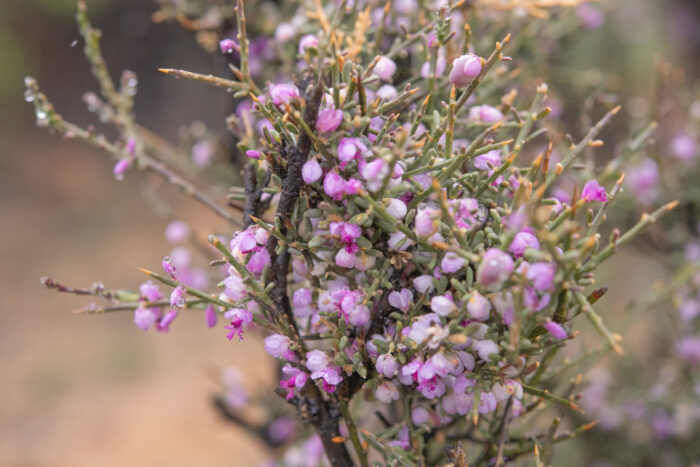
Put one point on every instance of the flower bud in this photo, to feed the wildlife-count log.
(479, 307)
(496, 266)
(329, 120)
(465, 69)
(311, 171)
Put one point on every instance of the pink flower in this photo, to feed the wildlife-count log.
(227, 46)
(163, 325)
(442, 305)
(386, 392)
(642, 180)
(485, 349)
(401, 299)
(465, 69)
(345, 259)
(387, 365)
(491, 158)
(283, 93)
(396, 208)
(684, 147)
(210, 316)
(177, 297)
(424, 284)
(385, 68)
(440, 65)
(350, 148)
(307, 41)
(334, 185)
(252, 154)
(329, 120)
(297, 379)
(121, 167)
(144, 318)
(277, 345)
(177, 232)
(451, 263)
(542, 275)
(311, 171)
(426, 222)
(239, 317)
(485, 114)
(258, 262)
(592, 191)
(496, 266)
(522, 241)
(555, 329)
(479, 307)
(149, 291)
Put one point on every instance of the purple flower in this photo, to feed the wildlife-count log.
(177, 232)
(451, 263)
(375, 172)
(350, 148)
(479, 307)
(387, 92)
(465, 69)
(297, 379)
(684, 147)
(396, 208)
(177, 297)
(492, 158)
(121, 167)
(239, 318)
(592, 191)
(442, 305)
(424, 284)
(385, 68)
(401, 299)
(426, 222)
(358, 316)
(440, 65)
(387, 365)
(258, 262)
(277, 345)
(283, 93)
(210, 316)
(169, 268)
(307, 41)
(522, 241)
(334, 185)
(485, 114)
(386, 392)
(485, 349)
(202, 154)
(164, 324)
(149, 291)
(285, 32)
(555, 329)
(689, 349)
(329, 120)
(542, 275)
(590, 16)
(144, 318)
(642, 180)
(311, 171)
(253, 154)
(227, 46)
(496, 266)
(345, 259)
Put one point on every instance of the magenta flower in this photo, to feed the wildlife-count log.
(351, 148)
(465, 69)
(163, 325)
(253, 154)
(177, 297)
(592, 191)
(227, 46)
(149, 291)
(311, 171)
(169, 268)
(177, 232)
(297, 379)
(440, 65)
(121, 167)
(684, 147)
(555, 329)
(283, 93)
(387, 92)
(329, 120)
(239, 318)
(334, 185)
(210, 316)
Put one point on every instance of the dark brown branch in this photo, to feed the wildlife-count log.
(259, 431)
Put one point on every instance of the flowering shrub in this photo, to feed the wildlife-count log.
(407, 244)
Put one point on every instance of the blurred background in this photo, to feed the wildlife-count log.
(86, 390)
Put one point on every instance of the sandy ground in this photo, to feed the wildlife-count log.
(94, 390)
